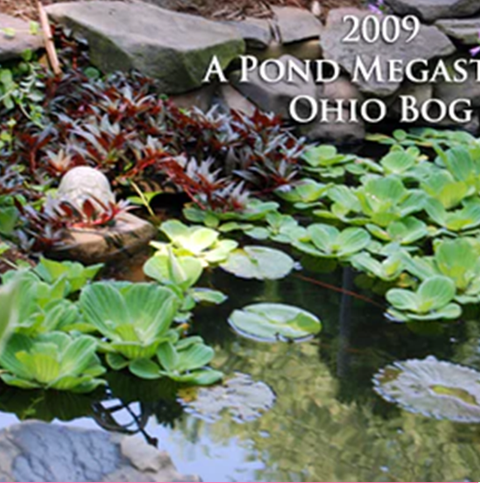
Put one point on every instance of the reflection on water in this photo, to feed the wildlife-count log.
(327, 423)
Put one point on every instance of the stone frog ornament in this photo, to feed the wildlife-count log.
(84, 183)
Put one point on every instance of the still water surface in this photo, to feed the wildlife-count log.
(327, 423)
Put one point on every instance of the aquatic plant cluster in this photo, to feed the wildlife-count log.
(66, 330)
(411, 221)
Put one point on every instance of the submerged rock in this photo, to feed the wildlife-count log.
(13, 46)
(433, 388)
(174, 48)
(431, 10)
(36, 451)
(240, 397)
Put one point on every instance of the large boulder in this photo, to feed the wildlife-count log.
(431, 10)
(464, 30)
(21, 40)
(429, 44)
(276, 97)
(174, 48)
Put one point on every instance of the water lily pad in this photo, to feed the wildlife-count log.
(240, 397)
(261, 263)
(273, 322)
(434, 388)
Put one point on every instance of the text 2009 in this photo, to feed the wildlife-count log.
(388, 28)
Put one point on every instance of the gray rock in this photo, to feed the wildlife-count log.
(36, 451)
(296, 24)
(276, 97)
(174, 48)
(128, 236)
(233, 100)
(342, 88)
(13, 47)
(256, 32)
(421, 92)
(201, 98)
(464, 30)
(450, 92)
(430, 43)
(431, 10)
(306, 50)
(337, 133)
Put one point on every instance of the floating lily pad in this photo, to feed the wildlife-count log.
(242, 398)
(273, 322)
(261, 263)
(434, 388)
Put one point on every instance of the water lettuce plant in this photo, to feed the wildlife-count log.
(456, 259)
(326, 241)
(433, 300)
(185, 361)
(9, 310)
(407, 231)
(134, 319)
(52, 361)
(195, 241)
(181, 274)
(272, 322)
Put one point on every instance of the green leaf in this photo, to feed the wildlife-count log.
(271, 322)
(261, 263)
(145, 369)
(204, 295)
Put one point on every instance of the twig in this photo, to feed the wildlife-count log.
(49, 44)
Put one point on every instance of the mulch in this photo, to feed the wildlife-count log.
(214, 9)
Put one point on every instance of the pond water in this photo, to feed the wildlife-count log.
(327, 423)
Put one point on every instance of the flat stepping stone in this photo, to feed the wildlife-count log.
(174, 48)
(21, 40)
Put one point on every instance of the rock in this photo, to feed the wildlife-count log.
(431, 10)
(36, 451)
(236, 101)
(464, 30)
(126, 237)
(421, 92)
(201, 98)
(256, 32)
(84, 183)
(342, 88)
(337, 133)
(307, 50)
(276, 97)
(430, 43)
(450, 92)
(175, 49)
(296, 24)
(14, 46)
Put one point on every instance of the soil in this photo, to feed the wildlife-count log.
(215, 9)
